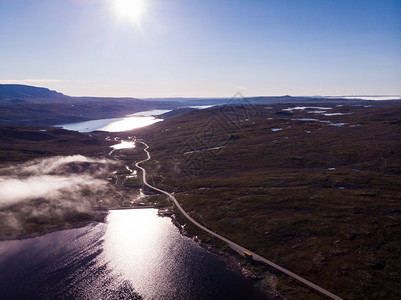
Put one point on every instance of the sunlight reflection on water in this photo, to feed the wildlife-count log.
(123, 145)
(130, 123)
(135, 254)
(134, 243)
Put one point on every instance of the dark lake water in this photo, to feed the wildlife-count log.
(134, 255)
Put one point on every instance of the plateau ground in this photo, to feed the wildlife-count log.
(314, 188)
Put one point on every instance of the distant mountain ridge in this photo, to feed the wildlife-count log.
(29, 105)
(23, 91)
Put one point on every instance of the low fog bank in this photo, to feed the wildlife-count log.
(54, 192)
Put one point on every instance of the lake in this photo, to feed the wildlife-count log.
(132, 121)
(134, 255)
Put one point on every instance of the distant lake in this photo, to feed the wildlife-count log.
(137, 120)
(200, 106)
(134, 255)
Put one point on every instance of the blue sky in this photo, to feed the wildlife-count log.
(208, 48)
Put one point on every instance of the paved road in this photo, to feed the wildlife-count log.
(232, 244)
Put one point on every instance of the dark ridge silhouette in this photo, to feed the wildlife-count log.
(20, 91)
(28, 105)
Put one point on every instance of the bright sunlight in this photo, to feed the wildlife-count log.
(130, 9)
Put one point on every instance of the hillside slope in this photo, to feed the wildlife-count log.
(314, 189)
(27, 105)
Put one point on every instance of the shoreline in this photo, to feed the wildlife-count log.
(231, 260)
(96, 219)
(268, 289)
(100, 217)
(265, 282)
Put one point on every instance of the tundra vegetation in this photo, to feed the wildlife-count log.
(315, 189)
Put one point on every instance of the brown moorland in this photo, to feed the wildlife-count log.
(317, 190)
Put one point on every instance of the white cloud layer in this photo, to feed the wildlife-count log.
(13, 190)
(30, 81)
(53, 191)
(51, 178)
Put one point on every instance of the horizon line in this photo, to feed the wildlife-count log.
(210, 97)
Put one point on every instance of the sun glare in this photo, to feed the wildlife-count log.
(130, 9)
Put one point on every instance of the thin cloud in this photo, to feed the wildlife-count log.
(240, 88)
(55, 165)
(14, 190)
(31, 81)
(53, 191)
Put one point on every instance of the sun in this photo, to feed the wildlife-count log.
(130, 9)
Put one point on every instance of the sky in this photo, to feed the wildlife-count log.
(203, 48)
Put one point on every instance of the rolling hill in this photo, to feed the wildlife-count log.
(315, 188)
(27, 105)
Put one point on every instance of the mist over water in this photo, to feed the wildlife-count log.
(134, 255)
(52, 192)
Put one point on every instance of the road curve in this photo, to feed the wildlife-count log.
(232, 244)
